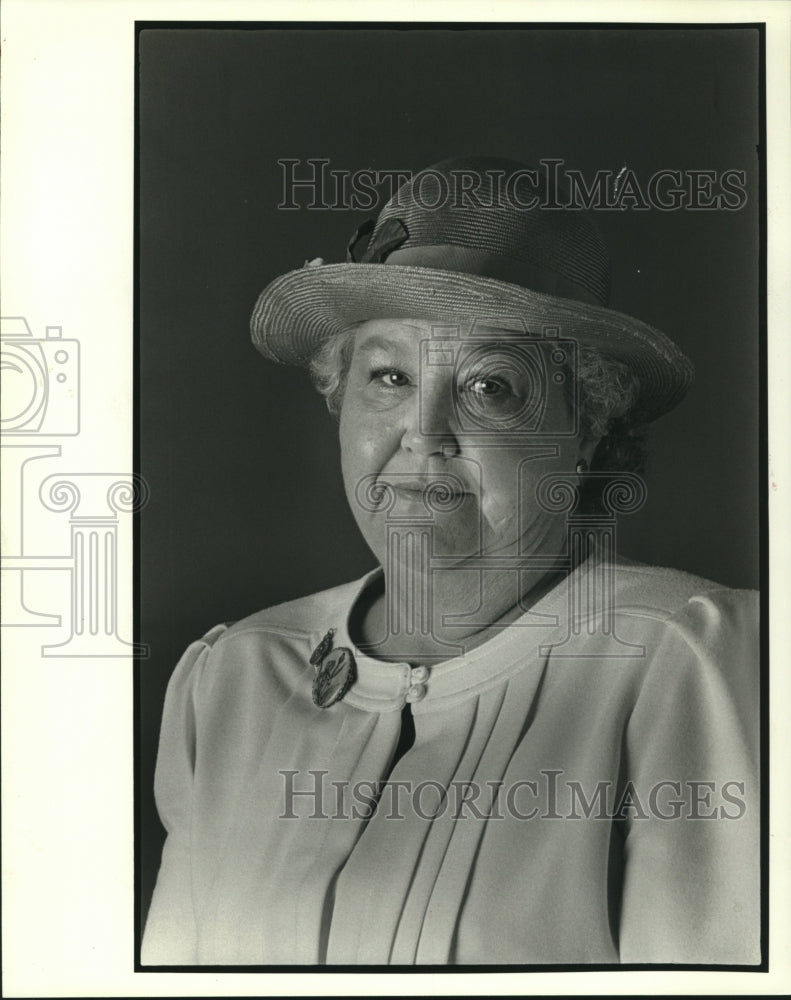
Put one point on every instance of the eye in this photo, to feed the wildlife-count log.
(481, 385)
(392, 378)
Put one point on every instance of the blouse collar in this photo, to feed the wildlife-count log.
(386, 686)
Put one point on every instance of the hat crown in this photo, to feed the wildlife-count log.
(499, 241)
(495, 217)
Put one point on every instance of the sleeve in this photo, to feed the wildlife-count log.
(170, 935)
(691, 885)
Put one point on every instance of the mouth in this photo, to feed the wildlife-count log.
(410, 485)
(445, 489)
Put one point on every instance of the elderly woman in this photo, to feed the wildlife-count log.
(504, 744)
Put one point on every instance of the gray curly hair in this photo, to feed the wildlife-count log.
(607, 393)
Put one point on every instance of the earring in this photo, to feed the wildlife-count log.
(582, 466)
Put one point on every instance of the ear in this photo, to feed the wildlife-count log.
(587, 445)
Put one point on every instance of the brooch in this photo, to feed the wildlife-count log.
(335, 672)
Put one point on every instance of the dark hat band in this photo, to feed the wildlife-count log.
(492, 265)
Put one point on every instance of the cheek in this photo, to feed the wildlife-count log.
(358, 447)
(500, 496)
(509, 504)
(352, 459)
(365, 448)
(362, 455)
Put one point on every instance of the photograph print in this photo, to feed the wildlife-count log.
(450, 357)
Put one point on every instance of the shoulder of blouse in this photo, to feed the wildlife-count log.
(270, 646)
(233, 648)
(696, 632)
(301, 617)
(664, 593)
(704, 659)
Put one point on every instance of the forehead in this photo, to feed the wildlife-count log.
(391, 333)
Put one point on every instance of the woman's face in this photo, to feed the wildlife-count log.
(455, 433)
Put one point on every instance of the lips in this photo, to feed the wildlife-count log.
(411, 485)
(408, 492)
(443, 486)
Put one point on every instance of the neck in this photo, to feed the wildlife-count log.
(426, 617)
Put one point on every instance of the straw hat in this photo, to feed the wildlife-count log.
(472, 239)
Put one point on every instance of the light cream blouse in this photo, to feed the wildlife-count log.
(582, 788)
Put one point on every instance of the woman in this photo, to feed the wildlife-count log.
(503, 745)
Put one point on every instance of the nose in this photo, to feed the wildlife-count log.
(430, 424)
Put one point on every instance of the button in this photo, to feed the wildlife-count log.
(418, 675)
(415, 693)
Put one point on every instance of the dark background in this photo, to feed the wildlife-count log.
(247, 506)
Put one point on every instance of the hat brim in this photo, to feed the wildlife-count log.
(297, 312)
